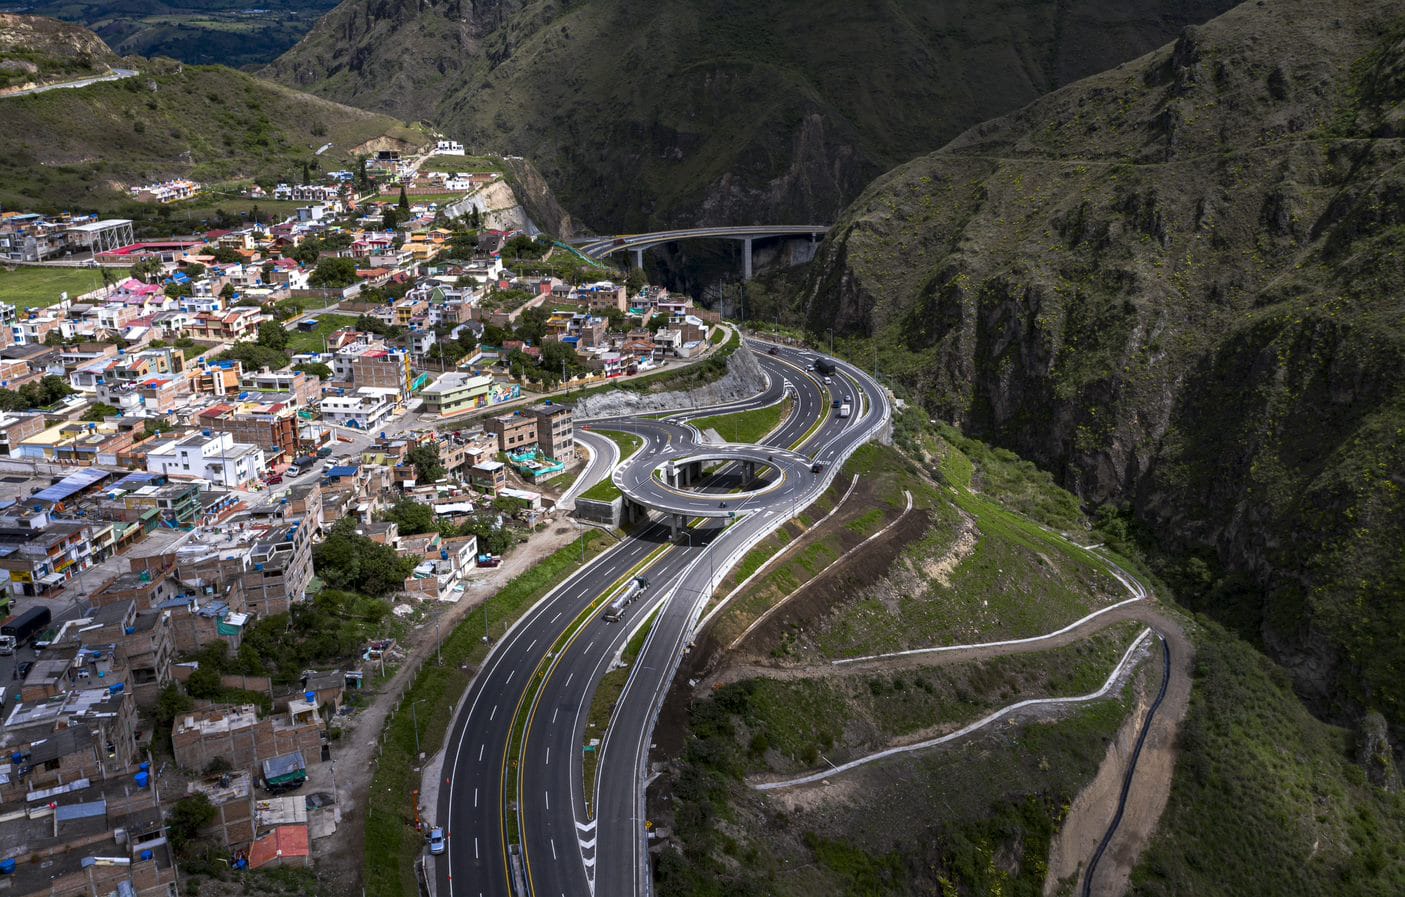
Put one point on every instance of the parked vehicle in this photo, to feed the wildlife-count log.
(489, 560)
(324, 452)
(22, 627)
(274, 479)
(22, 670)
(293, 470)
(437, 841)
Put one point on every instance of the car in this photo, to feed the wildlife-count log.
(835, 403)
(23, 669)
(274, 479)
(722, 505)
(772, 351)
(293, 470)
(437, 842)
(817, 467)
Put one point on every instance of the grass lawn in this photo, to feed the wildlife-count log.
(455, 164)
(422, 199)
(311, 341)
(29, 287)
(605, 490)
(746, 426)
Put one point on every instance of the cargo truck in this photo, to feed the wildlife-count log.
(20, 628)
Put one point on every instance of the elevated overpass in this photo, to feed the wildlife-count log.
(600, 247)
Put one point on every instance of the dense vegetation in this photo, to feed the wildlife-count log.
(713, 110)
(1173, 285)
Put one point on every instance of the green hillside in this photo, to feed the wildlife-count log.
(714, 110)
(72, 149)
(1176, 285)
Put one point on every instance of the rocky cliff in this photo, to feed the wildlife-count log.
(1177, 284)
(712, 111)
(35, 50)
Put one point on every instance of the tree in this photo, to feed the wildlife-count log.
(412, 517)
(317, 369)
(190, 814)
(227, 291)
(333, 273)
(425, 458)
(147, 267)
(227, 255)
(273, 336)
(53, 338)
(404, 202)
(98, 412)
(463, 244)
(176, 290)
(254, 357)
(475, 218)
(171, 703)
(390, 217)
(193, 270)
(306, 174)
(204, 682)
(346, 560)
(637, 280)
(658, 322)
(362, 181)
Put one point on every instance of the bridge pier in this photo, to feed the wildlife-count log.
(676, 522)
(638, 255)
(746, 259)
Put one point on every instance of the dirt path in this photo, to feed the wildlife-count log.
(340, 856)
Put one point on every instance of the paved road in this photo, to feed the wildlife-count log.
(554, 843)
(600, 247)
(115, 75)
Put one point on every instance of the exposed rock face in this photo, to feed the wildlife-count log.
(1375, 754)
(712, 111)
(50, 37)
(744, 378)
(1176, 285)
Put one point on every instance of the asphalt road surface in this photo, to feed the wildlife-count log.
(516, 810)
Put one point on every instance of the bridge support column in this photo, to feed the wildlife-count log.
(676, 522)
(746, 259)
(638, 256)
(749, 470)
(694, 472)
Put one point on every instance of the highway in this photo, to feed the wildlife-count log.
(600, 247)
(515, 806)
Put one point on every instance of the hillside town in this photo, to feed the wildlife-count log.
(241, 480)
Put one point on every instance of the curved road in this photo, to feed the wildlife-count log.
(515, 809)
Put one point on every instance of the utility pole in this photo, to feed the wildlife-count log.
(416, 718)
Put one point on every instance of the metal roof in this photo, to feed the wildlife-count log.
(72, 484)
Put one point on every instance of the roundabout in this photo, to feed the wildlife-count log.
(674, 480)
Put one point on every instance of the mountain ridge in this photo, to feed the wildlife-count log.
(1168, 284)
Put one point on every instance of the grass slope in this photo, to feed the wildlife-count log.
(209, 123)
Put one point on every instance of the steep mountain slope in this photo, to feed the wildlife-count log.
(714, 110)
(35, 50)
(70, 149)
(1177, 285)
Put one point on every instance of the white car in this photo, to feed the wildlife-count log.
(436, 840)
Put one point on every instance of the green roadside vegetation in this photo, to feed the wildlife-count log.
(454, 164)
(33, 287)
(602, 708)
(1262, 785)
(975, 817)
(392, 844)
(606, 490)
(786, 725)
(746, 426)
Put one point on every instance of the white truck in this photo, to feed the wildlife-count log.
(845, 410)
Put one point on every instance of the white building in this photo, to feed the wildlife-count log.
(214, 457)
(448, 148)
(365, 409)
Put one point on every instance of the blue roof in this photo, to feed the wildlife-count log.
(342, 471)
(72, 484)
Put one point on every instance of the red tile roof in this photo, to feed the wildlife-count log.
(284, 842)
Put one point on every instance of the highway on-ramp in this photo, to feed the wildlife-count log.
(515, 802)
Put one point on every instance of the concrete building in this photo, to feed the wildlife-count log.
(514, 431)
(366, 409)
(213, 457)
(554, 430)
(455, 392)
(240, 738)
(272, 427)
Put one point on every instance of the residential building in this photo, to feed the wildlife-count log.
(164, 192)
(241, 739)
(366, 409)
(15, 427)
(213, 457)
(554, 430)
(272, 427)
(514, 431)
(456, 392)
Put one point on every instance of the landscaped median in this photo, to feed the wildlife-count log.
(391, 842)
(746, 426)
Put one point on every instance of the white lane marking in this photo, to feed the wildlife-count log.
(495, 706)
(553, 619)
(547, 795)
(475, 847)
(532, 645)
(586, 826)
(569, 678)
(553, 715)
(509, 679)
(548, 757)
(480, 752)
(475, 797)
(553, 851)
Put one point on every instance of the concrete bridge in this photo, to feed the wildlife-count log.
(600, 247)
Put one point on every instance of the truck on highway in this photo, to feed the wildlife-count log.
(844, 410)
(615, 611)
(825, 366)
(17, 630)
